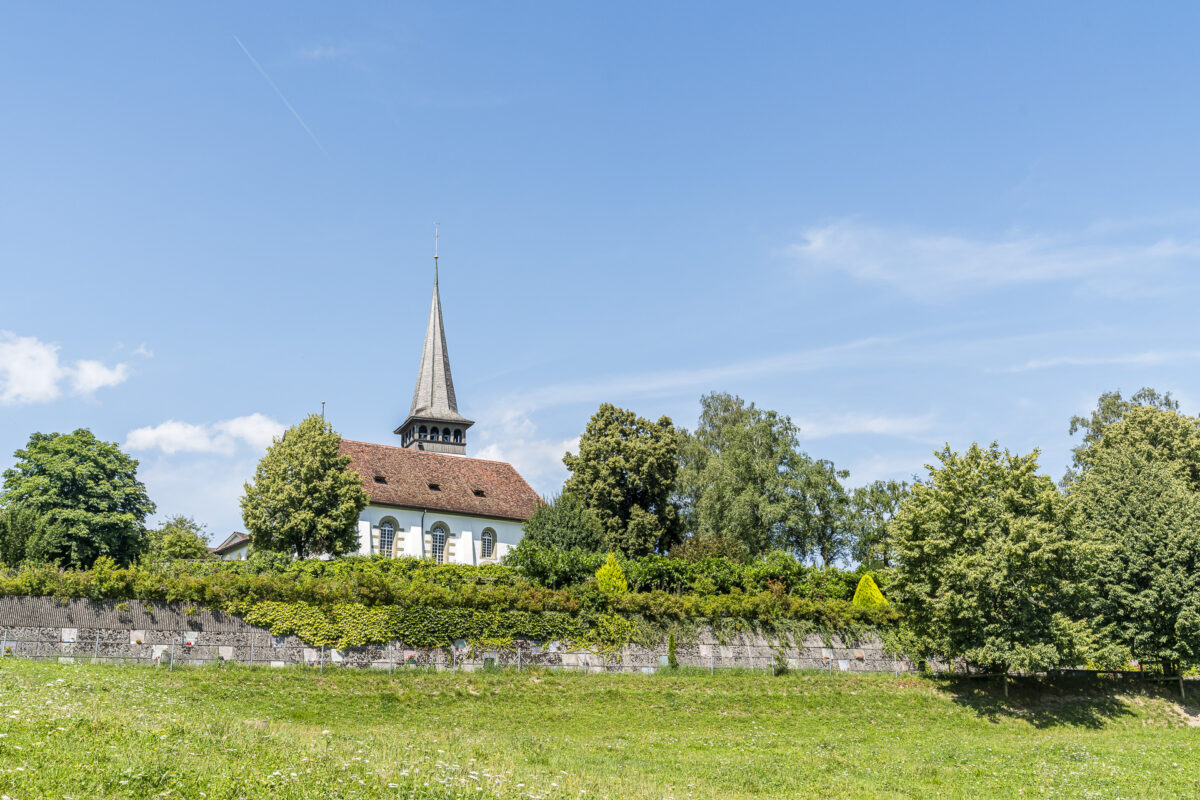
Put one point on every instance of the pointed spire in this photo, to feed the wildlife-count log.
(433, 397)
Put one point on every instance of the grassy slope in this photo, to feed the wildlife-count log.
(99, 731)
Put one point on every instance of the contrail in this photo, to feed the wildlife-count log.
(295, 113)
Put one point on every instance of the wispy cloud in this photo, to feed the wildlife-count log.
(667, 382)
(1147, 358)
(281, 96)
(850, 424)
(933, 265)
(255, 430)
(31, 372)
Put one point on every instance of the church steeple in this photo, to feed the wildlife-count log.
(433, 422)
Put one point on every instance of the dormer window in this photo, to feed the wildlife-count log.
(380, 479)
(435, 487)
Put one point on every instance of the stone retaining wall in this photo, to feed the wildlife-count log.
(134, 632)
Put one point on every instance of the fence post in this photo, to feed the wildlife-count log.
(391, 659)
(251, 649)
(96, 648)
(171, 667)
(1182, 696)
(712, 662)
(321, 663)
(518, 658)
(4, 646)
(454, 659)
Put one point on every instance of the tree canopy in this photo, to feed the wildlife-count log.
(741, 475)
(872, 507)
(1110, 408)
(87, 493)
(988, 567)
(564, 523)
(178, 537)
(1139, 509)
(303, 500)
(625, 473)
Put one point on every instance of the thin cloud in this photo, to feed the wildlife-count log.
(1147, 358)
(668, 382)
(271, 83)
(853, 424)
(255, 430)
(32, 372)
(933, 265)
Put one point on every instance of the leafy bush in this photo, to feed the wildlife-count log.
(672, 659)
(867, 595)
(611, 578)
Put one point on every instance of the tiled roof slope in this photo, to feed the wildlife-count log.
(465, 485)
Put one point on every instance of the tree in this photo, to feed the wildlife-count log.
(825, 527)
(564, 523)
(872, 507)
(1110, 408)
(179, 537)
(18, 528)
(624, 473)
(303, 499)
(1139, 509)
(88, 494)
(741, 475)
(989, 566)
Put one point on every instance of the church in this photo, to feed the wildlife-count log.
(427, 498)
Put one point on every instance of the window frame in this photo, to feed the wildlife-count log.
(487, 545)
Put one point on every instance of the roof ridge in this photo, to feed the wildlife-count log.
(428, 453)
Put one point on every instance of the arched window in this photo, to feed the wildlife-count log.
(387, 536)
(445, 434)
(438, 551)
(422, 431)
(487, 543)
(457, 436)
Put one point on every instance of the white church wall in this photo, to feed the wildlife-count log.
(464, 542)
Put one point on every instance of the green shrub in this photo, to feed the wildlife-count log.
(867, 595)
(611, 578)
(672, 659)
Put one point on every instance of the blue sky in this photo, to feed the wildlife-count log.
(902, 226)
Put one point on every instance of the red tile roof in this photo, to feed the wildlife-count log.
(464, 485)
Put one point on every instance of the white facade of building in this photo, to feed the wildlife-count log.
(444, 537)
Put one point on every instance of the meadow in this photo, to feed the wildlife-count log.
(85, 731)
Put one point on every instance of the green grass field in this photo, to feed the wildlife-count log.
(81, 731)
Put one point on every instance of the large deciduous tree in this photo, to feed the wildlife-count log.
(303, 500)
(87, 493)
(1139, 508)
(624, 473)
(825, 530)
(741, 475)
(989, 567)
(872, 507)
(1110, 408)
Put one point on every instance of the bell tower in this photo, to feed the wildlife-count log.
(433, 422)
